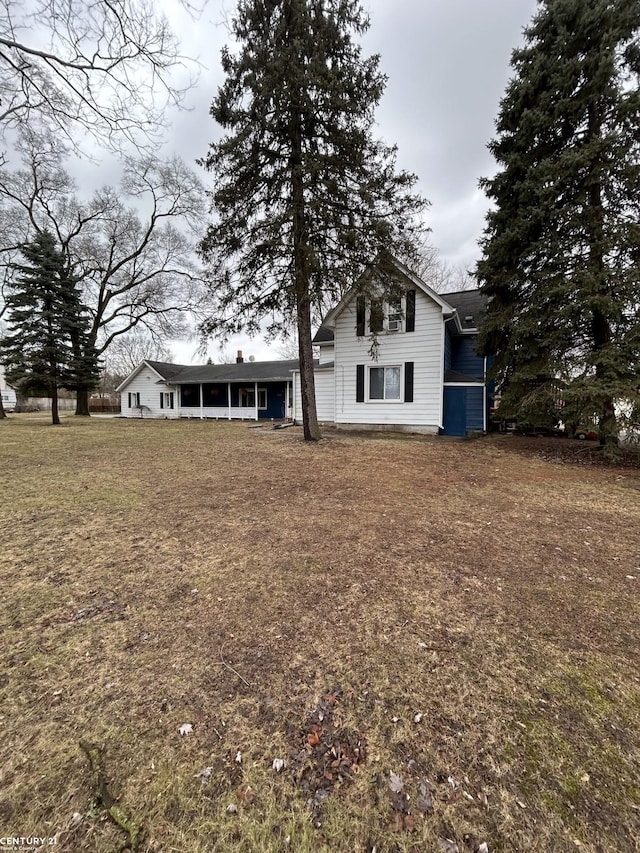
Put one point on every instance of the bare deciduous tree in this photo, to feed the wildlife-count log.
(426, 262)
(127, 351)
(104, 67)
(136, 264)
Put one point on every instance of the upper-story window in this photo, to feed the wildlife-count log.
(377, 315)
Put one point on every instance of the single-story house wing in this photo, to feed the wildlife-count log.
(246, 390)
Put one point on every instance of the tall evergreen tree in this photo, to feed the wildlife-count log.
(304, 196)
(561, 250)
(46, 345)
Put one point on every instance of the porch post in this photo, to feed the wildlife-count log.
(201, 406)
(229, 398)
(255, 397)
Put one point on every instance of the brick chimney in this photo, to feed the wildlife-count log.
(239, 358)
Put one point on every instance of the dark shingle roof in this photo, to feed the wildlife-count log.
(324, 335)
(165, 369)
(468, 303)
(246, 371)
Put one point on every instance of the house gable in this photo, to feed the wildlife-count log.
(405, 278)
(395, 381)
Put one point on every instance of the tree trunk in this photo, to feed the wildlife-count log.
(3, 414)
(607, 421)
(600, 326)
(310, 425)
(82, 403)
(55, 417)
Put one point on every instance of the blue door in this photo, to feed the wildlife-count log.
(455, 411)
(275, 402)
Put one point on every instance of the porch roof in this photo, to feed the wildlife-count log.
(246, 371)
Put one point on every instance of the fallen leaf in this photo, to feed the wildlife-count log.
(313, 739)
(204, 775)
(246, 795)
(410, 823)
(238, 757)
(417, 718)
(186, 729)
(232, 808)
(278, 764)
(483, 848)
(447, 845)
(395, 783)
(425, 799)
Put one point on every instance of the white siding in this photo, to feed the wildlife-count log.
(325, 407)
(145, 383)
(424, 347)
(325, 399)
(240, 413)
(326, 353)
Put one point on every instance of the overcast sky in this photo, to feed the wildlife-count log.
(447, 63)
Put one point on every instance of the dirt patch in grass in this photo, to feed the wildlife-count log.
(437, 643)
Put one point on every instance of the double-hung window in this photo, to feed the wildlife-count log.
(384, 383)
(134, 399)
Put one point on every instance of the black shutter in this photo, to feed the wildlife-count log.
(408, 382)
(360, 316)
(359, 383)
(130, 406)
(376, 315)
(411, 310)
(161, 400)
(171, 400)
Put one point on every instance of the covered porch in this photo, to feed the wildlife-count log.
(265, 400)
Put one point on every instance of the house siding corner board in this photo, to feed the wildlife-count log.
(422, 348)
(145, 386)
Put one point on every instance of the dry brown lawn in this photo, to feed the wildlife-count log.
(440, 641)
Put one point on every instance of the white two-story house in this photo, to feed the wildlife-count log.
(407, 363)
